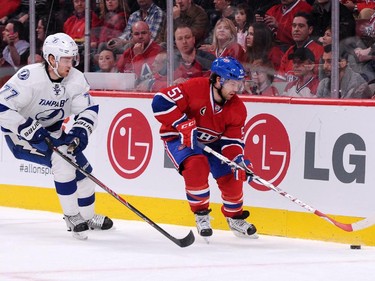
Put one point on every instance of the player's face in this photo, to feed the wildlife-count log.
(230, 88)
(64, 66)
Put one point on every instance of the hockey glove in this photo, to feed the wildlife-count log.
(188, 133)
(34, 133)
(78, 137)
(244, 174)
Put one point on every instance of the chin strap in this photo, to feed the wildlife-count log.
(55, 69)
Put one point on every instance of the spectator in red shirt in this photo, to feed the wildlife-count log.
(115, 14)
(158, 80)
(357, 6)
(279, 19)
(74, 26)
(7, 8)
(140, 57)
(301, 32)
(306, 84)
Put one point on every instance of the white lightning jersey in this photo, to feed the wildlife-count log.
(31, 93)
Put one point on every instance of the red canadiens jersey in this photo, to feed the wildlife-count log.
(284, 18)
(195, 99)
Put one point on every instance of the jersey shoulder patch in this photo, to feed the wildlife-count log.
(23, 74)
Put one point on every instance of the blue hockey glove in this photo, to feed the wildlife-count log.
(244, 174)
(34, 133)
(188, 133)
(78, 137)
(77, 140)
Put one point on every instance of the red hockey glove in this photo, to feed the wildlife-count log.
(188, 133)
(244, 174)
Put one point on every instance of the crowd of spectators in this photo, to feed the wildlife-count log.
(284, 45)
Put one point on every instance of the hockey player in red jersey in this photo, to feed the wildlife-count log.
(208, 110)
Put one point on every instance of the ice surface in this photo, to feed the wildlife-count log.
(35, 246)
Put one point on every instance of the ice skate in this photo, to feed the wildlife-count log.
(202, 219)
(100, 222)
(77, 225)
(242, 228)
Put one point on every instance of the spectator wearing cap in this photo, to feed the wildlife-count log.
(301, 31)
(306, 84)
(351, 84)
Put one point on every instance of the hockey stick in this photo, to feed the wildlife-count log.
(184, 242)
(349, 227)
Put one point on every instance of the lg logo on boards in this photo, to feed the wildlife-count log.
(129, 143)
(267, 142)
(268, 147)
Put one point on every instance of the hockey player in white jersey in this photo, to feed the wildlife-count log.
(33, 106)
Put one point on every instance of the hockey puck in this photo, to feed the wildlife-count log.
(355, 247)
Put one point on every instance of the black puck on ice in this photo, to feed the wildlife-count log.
(355, 247)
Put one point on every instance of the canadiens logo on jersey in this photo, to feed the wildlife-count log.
(146, 72)
(58, 89)
(23, 74)
(206, 135)
(203, 110)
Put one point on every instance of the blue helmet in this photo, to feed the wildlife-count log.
(228, 68)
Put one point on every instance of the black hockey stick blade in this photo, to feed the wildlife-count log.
(186, 241)
(183, 242)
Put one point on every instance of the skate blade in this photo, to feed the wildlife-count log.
(241, 235)
(80, 235)
(98, 229)
(206, 239)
